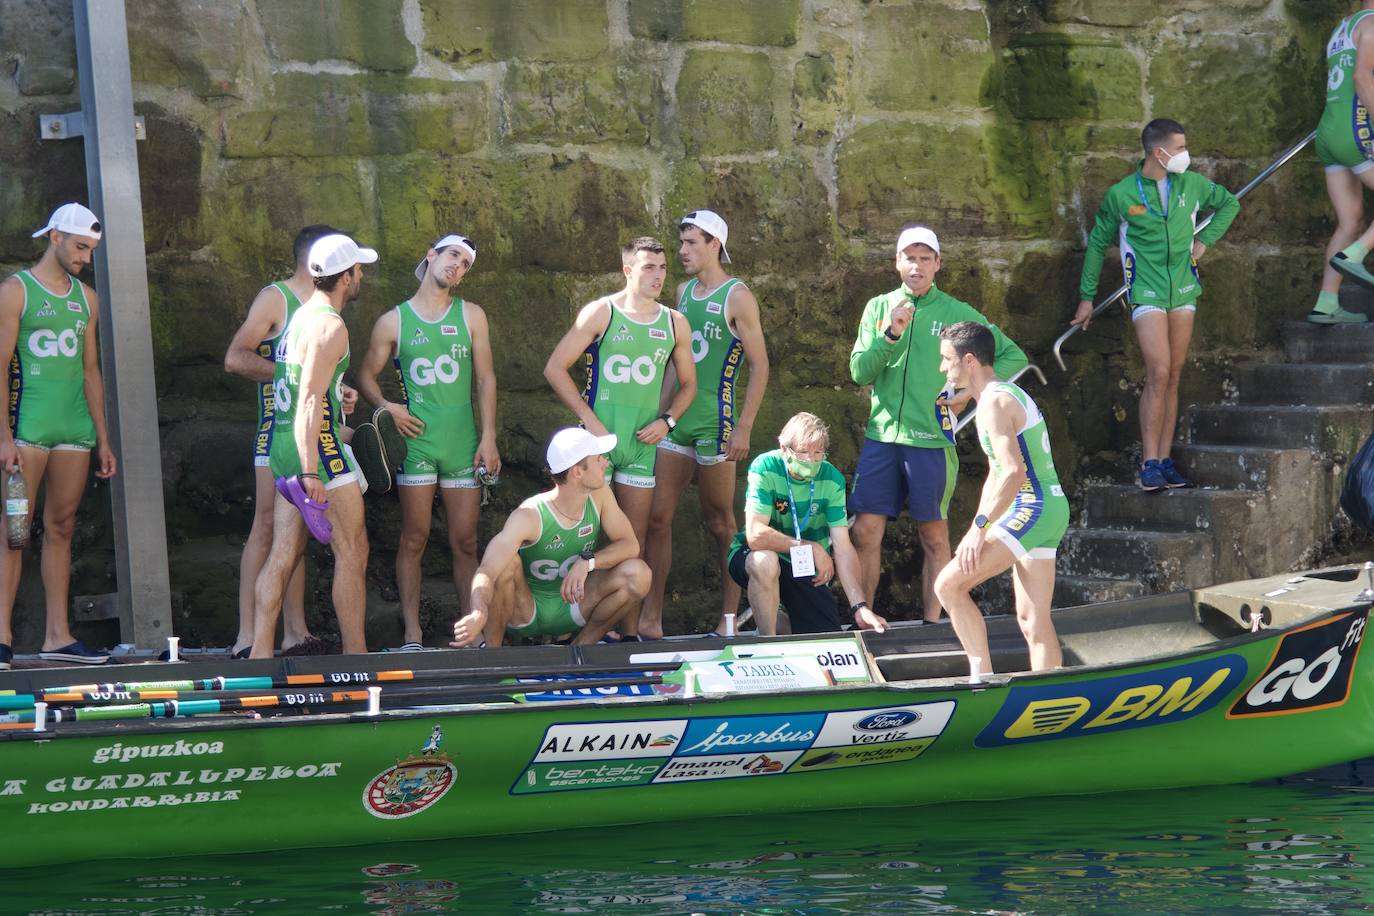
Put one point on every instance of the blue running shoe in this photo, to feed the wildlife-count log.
(1152, 477)
(1172, 476)
(6, 657)
(76, 653)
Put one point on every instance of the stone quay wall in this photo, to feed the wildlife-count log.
(552, 130)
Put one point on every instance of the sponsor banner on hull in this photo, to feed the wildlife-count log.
(590, 692)
(756, 675)
(830, 758)
(593, 774)
(725, 766)
(750, 733)
(609, 740)
(884, 726)
(1311, 669)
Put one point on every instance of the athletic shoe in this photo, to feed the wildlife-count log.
(1355, 270)
(313, 512)
(75, 652)
(1152, 477)
(6, 657)
(1172, 476)
(1339, 316)
(370, 455)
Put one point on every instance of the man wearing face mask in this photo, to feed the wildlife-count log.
(796, 537)
(1152, 213)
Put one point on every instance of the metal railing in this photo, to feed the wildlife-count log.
(1119, 294)
(967, 418)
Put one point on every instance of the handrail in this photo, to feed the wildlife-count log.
(967, 418)
(1114, 297)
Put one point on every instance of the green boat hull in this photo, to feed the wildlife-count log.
(1280, 701)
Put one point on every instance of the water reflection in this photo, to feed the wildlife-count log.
(1302, 844)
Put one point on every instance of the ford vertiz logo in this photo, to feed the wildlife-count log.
(886, 721)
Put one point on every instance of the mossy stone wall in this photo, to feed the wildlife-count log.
(552, 130)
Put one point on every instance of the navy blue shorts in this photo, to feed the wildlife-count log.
(891, 477)
(810, 608)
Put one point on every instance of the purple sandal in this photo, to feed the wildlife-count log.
(313, 513)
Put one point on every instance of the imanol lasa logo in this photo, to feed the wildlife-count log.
(413, 784)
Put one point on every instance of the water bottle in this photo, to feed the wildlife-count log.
(16, 511)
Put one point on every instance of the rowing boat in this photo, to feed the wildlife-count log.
(1228, 684)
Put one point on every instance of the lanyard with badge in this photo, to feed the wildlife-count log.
(1168, 192)
(803, 560)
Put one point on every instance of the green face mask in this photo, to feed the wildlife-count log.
(803, 470)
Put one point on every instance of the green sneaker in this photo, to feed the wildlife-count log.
(1355, 270)
(1339, 316)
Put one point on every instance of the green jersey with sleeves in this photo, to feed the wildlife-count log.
(818, 504)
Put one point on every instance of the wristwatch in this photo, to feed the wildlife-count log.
(588, 553)
(887, 332)
(668, 418)
(980, 521)
(858, 606)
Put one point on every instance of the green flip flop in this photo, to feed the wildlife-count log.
(1353, 269)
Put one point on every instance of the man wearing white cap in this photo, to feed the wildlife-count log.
(714, 433)
(543, 574)
(317, 483)
(440, 346)
(56, 415)
(626, 341)
(908, 458)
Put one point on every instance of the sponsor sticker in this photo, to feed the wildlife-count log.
(843, 658)
(604, 740)
(750, 733)
(713, 308)
(1090, 707)
(884, 726)
(590, 692)
(832, 758)
(585, 531)
(726, 766)
(448, 330)
(1311, 669)
(592, 774)
(758, 675)
(658, 334)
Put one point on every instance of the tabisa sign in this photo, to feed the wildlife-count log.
(762, 668)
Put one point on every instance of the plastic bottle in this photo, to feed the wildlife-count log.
(16, 511)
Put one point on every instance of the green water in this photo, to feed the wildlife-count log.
(1299, 845)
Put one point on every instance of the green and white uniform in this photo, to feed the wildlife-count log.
(1035, 522)
(434, 361)
(335, 465)
(704, 430)
(262, 445)
(48, 408)
(624, 382)
(1345, 138)
(818, 504)
(546, 563)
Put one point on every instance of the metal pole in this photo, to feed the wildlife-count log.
(107, 102)
(1253, 183)
(967, 418)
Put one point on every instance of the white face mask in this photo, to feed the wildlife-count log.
(1178, 163)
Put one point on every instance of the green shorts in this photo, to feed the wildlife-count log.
(631, 461)
(334, 460)
(552, 617)
(50, 423)
(703, 445)
(1034, 526)
(444, 454)
(1345, 140)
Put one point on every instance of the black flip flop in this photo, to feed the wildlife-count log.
(393, 443)
(371, 456)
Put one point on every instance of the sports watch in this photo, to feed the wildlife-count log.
(980, 521)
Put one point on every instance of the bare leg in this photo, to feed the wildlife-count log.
(293, 626)
(935, 546)
(672, 473)
(511, 602)
(637, 503)
(461, 507)
(612, 597)
(1034, 583)
(66, 473)
(349, 544)
(1152, 331)
(716, 488)
(35, 463)
(417, 507)
(1180, 336)
(255, 551)
(764, 567)
(288, 544)
(953, 585)
(867, 536)
(1346, 191)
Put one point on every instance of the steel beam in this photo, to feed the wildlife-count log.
(107, 105)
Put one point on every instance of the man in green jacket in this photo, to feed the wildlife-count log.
(1152, 213)
(908, 456)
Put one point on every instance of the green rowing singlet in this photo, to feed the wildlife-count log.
(267, 349)
(48, 406)
(333, 462)
(546, 562)
(705, 428)
(1344, 135)
(434, 362)
(1039, 515)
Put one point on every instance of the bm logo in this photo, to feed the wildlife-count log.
(1082, 708)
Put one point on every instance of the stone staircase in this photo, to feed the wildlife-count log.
(1268, 468)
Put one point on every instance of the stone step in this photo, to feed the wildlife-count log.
(1240, 467)
(1306, 383)
(1333, 429)
(1160, 560)
(998, 596)
(1130, 508)
(1312, 343)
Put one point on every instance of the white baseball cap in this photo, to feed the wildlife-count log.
(336, 253)
(448, 241)
(571, 445)
(709, 221)
(917, 235)
(72, 219)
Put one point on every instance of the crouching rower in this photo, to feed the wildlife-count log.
(543, 575)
